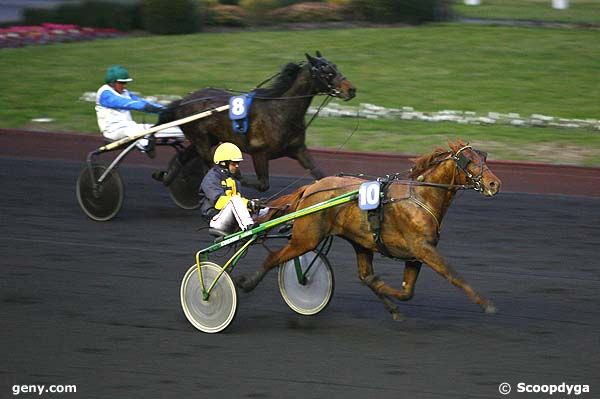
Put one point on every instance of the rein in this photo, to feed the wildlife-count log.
(396, 179)
(323, 104)
(326, 101)
(457, 157)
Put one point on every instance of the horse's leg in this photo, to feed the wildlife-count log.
(296, 247)
(177, 165)
(188, 153)
(199, 147)
(411, 273)
(260, 160)
(305, 159)
(384, 291)
(364, 260)
(429, 254)
(202, 145)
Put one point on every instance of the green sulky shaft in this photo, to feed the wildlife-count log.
(333, 202)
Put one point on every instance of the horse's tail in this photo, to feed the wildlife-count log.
(283, 205)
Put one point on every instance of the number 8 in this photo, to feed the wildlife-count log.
(238, 107)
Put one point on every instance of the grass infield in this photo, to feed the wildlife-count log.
(434, 67)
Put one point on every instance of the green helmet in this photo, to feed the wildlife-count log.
(116, 73)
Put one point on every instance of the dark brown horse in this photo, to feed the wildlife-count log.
(276, 118)
(410, 221)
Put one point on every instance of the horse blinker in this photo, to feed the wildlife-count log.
(330, 80)
(462, 161)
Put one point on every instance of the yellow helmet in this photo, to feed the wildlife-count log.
(227, 152)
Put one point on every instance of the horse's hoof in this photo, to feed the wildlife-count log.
(244, 283)
(159, 175)
(397, 316)
(240, 282)
(490, 309)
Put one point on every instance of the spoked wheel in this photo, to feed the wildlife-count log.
(102, 201)
(310, 294)
(185, 186)
(215, 313)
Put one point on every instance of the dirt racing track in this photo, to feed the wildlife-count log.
(97, 304)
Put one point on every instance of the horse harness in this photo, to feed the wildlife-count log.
(375, 216)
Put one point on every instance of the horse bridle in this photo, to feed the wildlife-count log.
(462, 162)
(326, 75)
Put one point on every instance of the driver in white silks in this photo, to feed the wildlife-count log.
(113, 105)
(221, 203)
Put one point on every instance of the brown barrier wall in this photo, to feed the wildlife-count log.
(516, 176)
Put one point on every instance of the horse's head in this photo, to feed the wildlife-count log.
(474, 170)
(329, 79)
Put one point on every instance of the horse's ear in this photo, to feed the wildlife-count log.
(319, 54)
(461, 144)
(310, 59)
(454, 147)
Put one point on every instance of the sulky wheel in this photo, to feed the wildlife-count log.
(306, 292)
(185, 185)
(100, 201)
(216, 312)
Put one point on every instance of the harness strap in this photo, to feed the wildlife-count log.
(428, 209)
(375, 218)
(411, 196)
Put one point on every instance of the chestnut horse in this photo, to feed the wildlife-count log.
(411, 213)
(276, 118)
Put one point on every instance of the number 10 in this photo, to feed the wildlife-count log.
(368, 195)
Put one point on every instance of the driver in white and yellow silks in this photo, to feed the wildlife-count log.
(221, 203)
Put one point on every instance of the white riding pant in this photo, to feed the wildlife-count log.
(130, 128)
(234, 212)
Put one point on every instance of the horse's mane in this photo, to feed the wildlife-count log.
(282, 83)
(424, 162)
